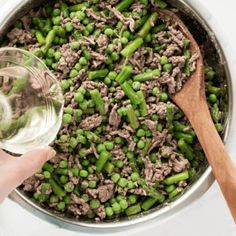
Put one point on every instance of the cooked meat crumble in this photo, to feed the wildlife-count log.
(123, 143)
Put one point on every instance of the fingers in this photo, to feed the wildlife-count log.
(28, 164)
(15, 171)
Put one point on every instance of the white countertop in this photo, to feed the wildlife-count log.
(207, 216)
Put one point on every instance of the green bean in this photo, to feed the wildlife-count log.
(151, 191)
(92, 137)
(177, 178)
(133, 120)
(170, 188)
(102, 160)
(132, 162)
(48, 167)
(213, 89)
(109, 167)
(49, 38)
(97, 74)
(180, 127)
(40, 38)
(215, 113)
(159, 28)
(192, 172)
(187, 43)
(97, 99)
(78, 7)
(219, 127)
(186, 149)
(132, 47)
(133, 210)
(148, 25)
(169, 116)
(124, 5)
(125, 74)
(174, 193)
(140, 22)
(187, 54)
(187, 70)
(210, 73)
(61, 171)
(56, 188)
(161, 4)
(130, 93)
(143, 104)
(186, 137)
(148, 203)
(147, 75)
(148, 144)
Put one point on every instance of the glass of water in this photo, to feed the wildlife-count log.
(31, 102)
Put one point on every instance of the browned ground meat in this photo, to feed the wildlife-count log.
(151, 151)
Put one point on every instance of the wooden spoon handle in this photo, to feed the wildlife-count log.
(222, 166)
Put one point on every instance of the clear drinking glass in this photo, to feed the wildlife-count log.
(31, 102)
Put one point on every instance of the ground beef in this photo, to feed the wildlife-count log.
(152, 125)
(154, 154)
(105, 192)
(180, 163)
(20, 36)
(158, 140)
(68, 59)
(114, 118)
(101, 212)
(92, 192)
(128, 21)
(91, 122)
(102, 40)
(31, 184)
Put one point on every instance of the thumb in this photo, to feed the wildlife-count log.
(17, 170)
(29, 163)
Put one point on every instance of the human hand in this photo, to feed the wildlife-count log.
(14, 170)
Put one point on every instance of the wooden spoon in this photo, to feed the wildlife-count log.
(192, 100)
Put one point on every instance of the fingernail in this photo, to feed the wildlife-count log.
(50, 153)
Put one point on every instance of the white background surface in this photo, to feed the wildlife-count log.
(208, 216)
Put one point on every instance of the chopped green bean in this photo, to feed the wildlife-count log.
(130, 93)
(169, 116)
(148, 25)
(186, 149)
(148, 203)
(132, 117)
(133, 210)
(123, 5)
(147, 75)
(186, 137)
(125, 74)
(102, 160)
(97, 74)
(97, 99)
(143, 104)
(56, 188)
(132, 47)
(177, 178)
